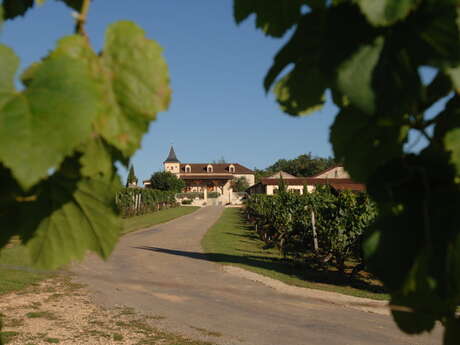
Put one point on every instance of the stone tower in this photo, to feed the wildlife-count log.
(172, 164)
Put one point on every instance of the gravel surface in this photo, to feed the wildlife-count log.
(163, 271)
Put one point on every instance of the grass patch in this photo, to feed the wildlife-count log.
(16, 269)
(117, 337)
(150, 219)
(206, 332)
(6, 337)
(41, 314)
(232, 241)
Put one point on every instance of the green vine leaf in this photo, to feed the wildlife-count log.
(354, 77)
(272, 16)
(57, 107)
(139, 71)
(74, 4)
(68, 205)
(454, 75)
(10, 63)
(132, 79)
(96, 159)
(387, 12)
(138, 89)
(15, 8)
(377, 142)
(301, 91)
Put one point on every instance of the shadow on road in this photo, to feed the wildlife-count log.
(274, 264)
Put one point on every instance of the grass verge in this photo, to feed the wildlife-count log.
(150, 219)
(232, 242)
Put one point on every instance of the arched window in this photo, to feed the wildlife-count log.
(188, 168)
(209, 168)
(231, 168)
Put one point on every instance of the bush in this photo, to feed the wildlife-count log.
(240, 184)
(190, 195)
(186, 202)
(166, 181)
(199, 195)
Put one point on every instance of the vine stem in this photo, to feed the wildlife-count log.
(81, 19)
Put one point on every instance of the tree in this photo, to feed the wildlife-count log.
(132, 179)
(78, 114)
(259, 174)
(167, 181)
(281, 185)
(303, 165)
(240, 184)
(368, 55)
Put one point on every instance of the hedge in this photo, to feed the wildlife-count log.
(138, 201)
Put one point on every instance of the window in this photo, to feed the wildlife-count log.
(231, 168)
(209, 168)
(188, 169)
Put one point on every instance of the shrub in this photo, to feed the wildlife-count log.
(166, 181)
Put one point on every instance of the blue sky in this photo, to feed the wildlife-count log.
(219, 108)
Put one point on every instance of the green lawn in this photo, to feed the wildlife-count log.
(16, 271)
(150, 219)
(231, 241)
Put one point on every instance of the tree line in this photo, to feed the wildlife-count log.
(304, 165)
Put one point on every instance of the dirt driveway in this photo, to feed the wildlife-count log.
(163, 271)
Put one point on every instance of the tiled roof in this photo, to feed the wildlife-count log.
(281, 173)
(206, 177)
(218, 168)
(172, 158)
(327, 170)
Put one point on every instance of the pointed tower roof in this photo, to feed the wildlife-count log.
(171, 157)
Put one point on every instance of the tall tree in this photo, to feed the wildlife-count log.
(167, 181)
(303, 165)
(132, 179)
(240, 184)
(368, 54)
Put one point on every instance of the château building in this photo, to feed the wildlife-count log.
(209, 177)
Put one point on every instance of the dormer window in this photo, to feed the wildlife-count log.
(188, 168)
(231, 168)
(209, 168)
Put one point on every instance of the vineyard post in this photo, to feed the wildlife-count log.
(313, 226)
(315, 236)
